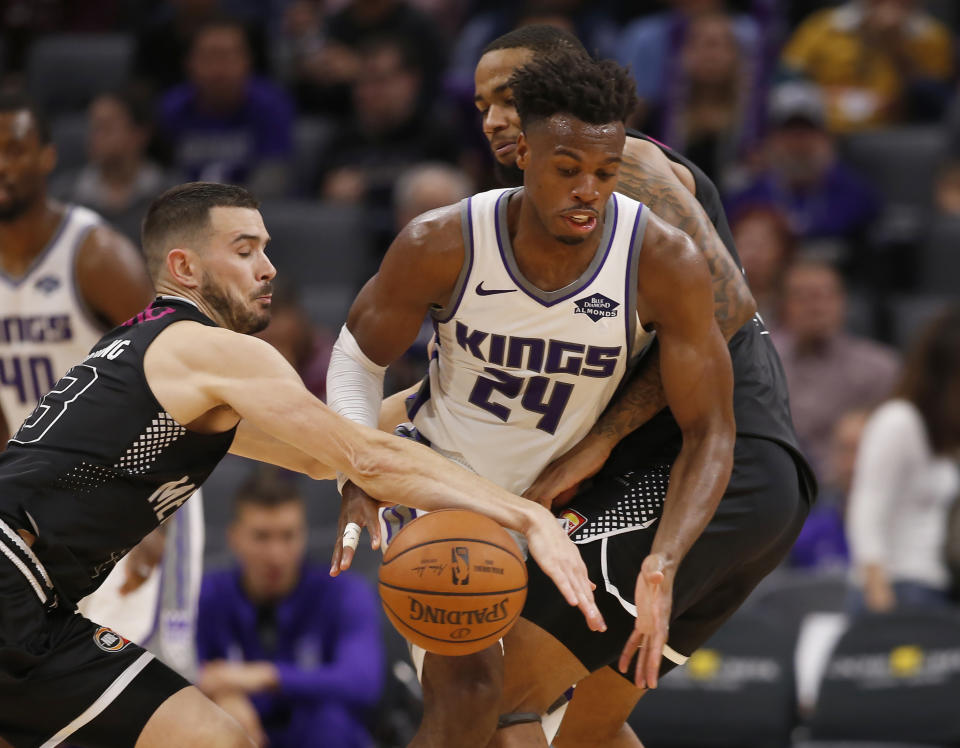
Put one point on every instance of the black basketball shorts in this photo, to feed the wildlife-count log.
(613, 523)
(63, 676)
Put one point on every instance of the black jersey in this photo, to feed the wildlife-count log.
(99, 463)
(760, 400)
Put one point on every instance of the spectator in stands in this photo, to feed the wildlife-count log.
(120, 179)
(907, 478)
(331, 50)
(421, 188)
(163, 41)
(879, 62)
(706, 113)
(766, 246)
(652, 47)
(293, 654)
(427, 186)
(589, 21)
(226, 125)
(391, 131)
(305, 346)
(822, 544)
(828, 371)
(822, 197)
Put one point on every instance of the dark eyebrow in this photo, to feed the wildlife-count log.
(250, 237)
(499, 89)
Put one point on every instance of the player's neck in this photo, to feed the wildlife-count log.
(24, 237)
(193, 295)
(546, 262)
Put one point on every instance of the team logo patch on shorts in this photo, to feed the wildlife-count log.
(109, 640)
(571, 521)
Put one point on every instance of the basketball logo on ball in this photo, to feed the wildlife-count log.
(460, 568)
(467, 610)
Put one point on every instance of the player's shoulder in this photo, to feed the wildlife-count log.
(434, 234)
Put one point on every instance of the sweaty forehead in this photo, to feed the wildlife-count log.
(568, 132)
(496, 67)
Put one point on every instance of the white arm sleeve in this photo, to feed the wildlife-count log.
(354, 382)
(354, 385)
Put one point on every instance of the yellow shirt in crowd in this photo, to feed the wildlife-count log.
(862, 81)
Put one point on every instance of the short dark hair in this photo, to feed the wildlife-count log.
(593, 91)
(266, 488)
(539, 38)
(184, 211)
(17, 101)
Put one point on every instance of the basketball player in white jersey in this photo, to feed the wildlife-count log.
(540, 296)
(66, 277)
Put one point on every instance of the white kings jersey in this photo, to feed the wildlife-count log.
(520, 375)
(44, 326)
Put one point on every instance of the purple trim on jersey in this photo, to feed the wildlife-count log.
(64, 222)
(418, 400)
(630, 315)
(451, 309)
(579, 286)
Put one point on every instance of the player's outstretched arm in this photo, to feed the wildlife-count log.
(674, 297)
(195, 371)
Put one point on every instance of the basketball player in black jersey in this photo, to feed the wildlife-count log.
(770, 488)
(127, 435)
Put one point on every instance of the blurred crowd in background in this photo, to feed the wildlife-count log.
(831, 128)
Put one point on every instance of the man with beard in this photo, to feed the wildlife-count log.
(126, 436)
(68, 277)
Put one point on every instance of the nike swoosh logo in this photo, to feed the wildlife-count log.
(481, 291)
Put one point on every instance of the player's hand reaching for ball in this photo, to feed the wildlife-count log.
(559, 558)
(357, 510)
(654, 600)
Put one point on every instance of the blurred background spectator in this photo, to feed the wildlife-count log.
(822, 545)
(879, 62)
(766, 246)
(708, 109)
(907, 478)
(120, 179)
(293, 654)
(828, 370)
(225, 124)
(305, 346)
(801, 172)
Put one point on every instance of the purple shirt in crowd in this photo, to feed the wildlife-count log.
(226, 147)
(325, 641)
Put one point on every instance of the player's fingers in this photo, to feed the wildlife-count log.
(629, 650)
(653, 658)
(371, 520)
(335, 559)
(346, 557)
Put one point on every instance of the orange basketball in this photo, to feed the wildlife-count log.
(453, 582)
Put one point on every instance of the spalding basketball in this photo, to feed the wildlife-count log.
(453, 582)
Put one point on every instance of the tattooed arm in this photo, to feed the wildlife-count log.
(650, 177)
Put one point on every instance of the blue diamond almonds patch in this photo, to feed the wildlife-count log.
(596, 307)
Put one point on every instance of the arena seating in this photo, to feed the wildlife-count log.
(65, 71)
